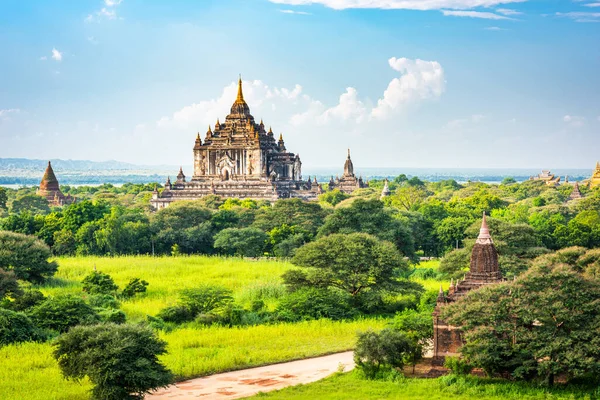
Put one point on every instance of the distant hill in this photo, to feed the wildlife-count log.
(71, 165)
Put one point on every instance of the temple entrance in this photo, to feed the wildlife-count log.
(225, 175)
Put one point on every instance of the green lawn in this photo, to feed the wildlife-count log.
(167, 276)
(351, 386)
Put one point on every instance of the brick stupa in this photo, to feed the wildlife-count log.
(483, 271)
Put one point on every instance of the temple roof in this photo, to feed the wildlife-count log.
(484, 233)
(348, 166)
(49, 181)
(240, 109)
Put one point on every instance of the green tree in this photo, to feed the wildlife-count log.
(16, 327)
(308, 216)
(353, 263)
(333, 197)
(63, 312)
(120, 360)
(418, 329)
(29, 202)
(9, 286)
(249, 242)
(542, 325)
(27, 256)
(98, 282)
(133, 287)
(3, 198)
(377, 351)
(369, 216)
(205, 298)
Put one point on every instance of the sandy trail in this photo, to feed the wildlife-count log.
(248, 382)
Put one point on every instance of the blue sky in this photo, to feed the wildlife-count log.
(403, 83)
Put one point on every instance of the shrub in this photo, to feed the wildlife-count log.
(205, 298)
(27, 256)
(103, 301)
(62, 312)
(135, 286)
(28, 300)
(99, 283)
(380, 351)
(458, 366)
(16, 327)
(308, 304)
(120, 360)
(112, 315)
(249, 242)
(176, 314)
(8, 284)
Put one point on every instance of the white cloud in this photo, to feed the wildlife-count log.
(473, 14)
(350, 108)
(57, 55)
(43, 58)
(399, 4)
(295, 12)
(508, 11)
(574, 121)
(592, 5)
(581, 16)
(108, 12)
(494, 28)
(420, 80)
(6, 113)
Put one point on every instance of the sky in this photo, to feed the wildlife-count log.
(402, 83)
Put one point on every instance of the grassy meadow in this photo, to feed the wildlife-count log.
(167, 276)
(28, 371)
(349, 386)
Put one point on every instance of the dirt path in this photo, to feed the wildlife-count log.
(248, 382)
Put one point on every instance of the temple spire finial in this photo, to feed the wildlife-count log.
(240, 94)
(484, 232)
(348, 154)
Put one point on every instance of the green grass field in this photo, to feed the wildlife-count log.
(167, 276)
(28, 371)
(351, 385)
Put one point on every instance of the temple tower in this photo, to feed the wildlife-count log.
(50, 189)
(576, 193)
(386, 190)
(483, 270)
(595, 179)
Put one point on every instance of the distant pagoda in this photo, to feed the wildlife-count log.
(483, 270)
(595, 179)
(576, 193)
(50, 189)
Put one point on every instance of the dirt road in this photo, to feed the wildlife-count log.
(248, 382)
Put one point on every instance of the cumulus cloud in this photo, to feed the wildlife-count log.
(399, 4)
(57, 55)
(420, 80)
(473, 14)
(494, 28)
(592, 5)
(112, 3)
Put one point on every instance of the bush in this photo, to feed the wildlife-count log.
(112, 315)
(458, 366)
(135, 286)
(380, 351)
(103, 301)
(63, 312)
(99, 283)
(9, 286)
(16, 327)
(176, 314)
(28, 300)
(27, 256)
(120, 360)
(308, 304)
(249, 242)
(205, 298)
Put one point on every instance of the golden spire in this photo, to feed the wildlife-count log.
(240, 95)
(281, 137)
(209, 130)
(198, 135)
